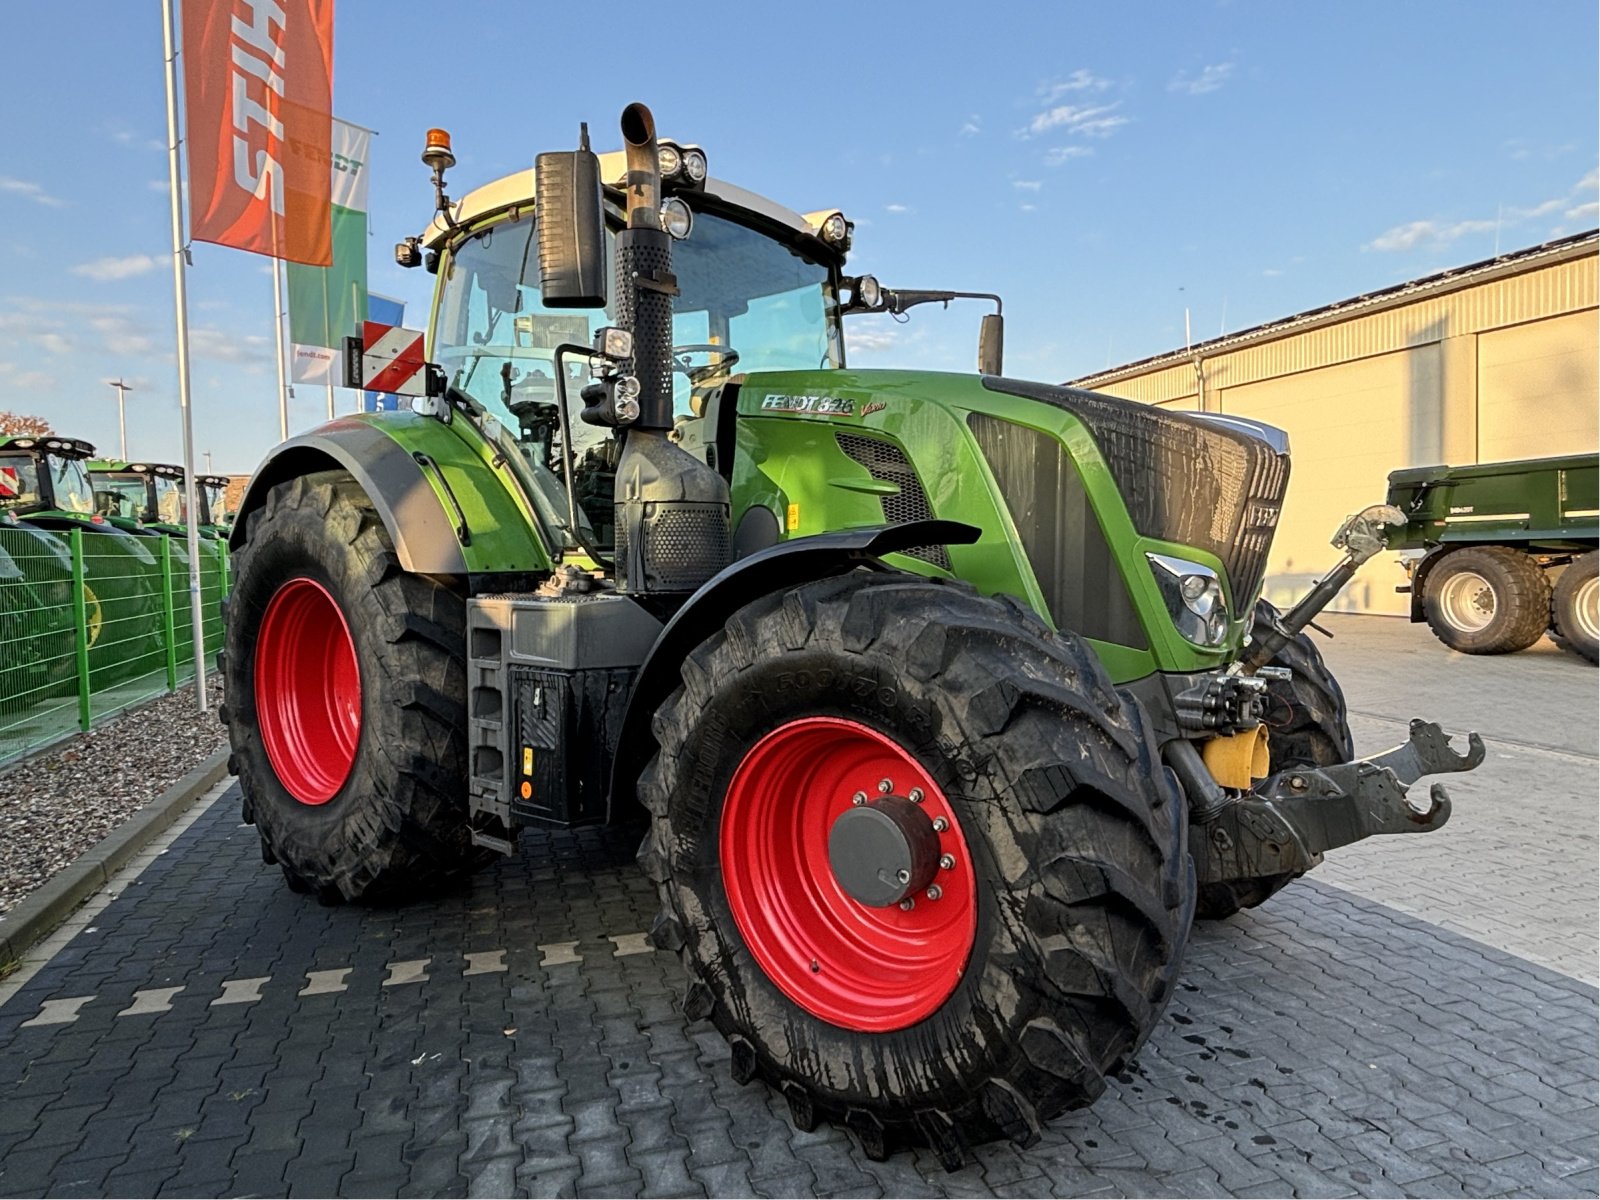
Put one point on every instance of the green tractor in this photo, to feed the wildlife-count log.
(215, 519)
(45, 486)
(946, 700)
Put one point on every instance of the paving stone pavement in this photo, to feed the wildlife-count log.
(212, 1033)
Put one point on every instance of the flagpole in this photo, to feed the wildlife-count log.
(181, 304)
(277, 326)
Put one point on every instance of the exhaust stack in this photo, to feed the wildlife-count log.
(672, 509)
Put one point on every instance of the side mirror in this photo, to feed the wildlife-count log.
(991, 344)
(573, 271)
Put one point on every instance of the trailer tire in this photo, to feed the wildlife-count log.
(1575, 606)
(1062, 913)
(1308, 726)
(1487, 600)
(326, 632)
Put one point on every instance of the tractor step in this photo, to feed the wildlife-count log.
(1285, 824)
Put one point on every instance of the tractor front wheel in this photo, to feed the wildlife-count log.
(346, 699)
(918, 857)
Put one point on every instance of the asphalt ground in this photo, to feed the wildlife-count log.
(205, 1031)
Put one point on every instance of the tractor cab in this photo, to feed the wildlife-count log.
(133, 495)
(46, 481)
(758, 288)
(212, 491)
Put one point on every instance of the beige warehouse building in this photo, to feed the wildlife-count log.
(1493, 361)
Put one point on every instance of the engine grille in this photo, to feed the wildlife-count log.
(887, 462)
(1182, 479)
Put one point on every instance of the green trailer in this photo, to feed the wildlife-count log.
(1499, 554)
(944, 702)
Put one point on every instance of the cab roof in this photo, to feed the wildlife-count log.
(520, 188)
(170, 470)
(49, 444)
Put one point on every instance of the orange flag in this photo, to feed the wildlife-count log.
(258, 98)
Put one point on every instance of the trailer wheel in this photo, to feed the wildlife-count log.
(918, 857)
(1487, 600)
(346, 692)
(1307, 726)
(1576, 606)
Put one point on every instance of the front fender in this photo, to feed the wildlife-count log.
(774, 569)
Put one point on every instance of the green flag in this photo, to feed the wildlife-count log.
(328, 304)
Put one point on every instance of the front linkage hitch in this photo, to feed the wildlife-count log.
(1284, 825)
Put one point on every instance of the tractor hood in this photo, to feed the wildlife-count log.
(1197, 479)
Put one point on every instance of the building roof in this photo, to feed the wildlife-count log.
(1513, 263)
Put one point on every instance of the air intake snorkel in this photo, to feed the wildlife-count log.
(672, 509)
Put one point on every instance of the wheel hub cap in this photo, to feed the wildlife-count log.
(883, 851)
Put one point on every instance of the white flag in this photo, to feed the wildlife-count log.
(316, 364)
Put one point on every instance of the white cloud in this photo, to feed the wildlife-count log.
(1057, 155)
(1584, 212)
(222, 346)
(1272, 272)
(122, 335)
(972, 126)
(1027, 185)
(862, 339)
(1589, 182)
(1089, 120)
(106, 270)
(896, 208)
(1431, 233)
(1080, 80)
(1209, 80)
(32, 191)
(53, 343)
(1027, 207)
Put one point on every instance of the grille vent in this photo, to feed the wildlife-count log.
(887, 463)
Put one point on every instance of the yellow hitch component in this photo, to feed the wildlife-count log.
(1237, 760)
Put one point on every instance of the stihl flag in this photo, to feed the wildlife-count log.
(386, 358)
(258, 97)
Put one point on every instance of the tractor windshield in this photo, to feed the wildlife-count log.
(69, 481)
(744, 298)
(19, 482)
(213, 503)
(169, 500)
(121, 494)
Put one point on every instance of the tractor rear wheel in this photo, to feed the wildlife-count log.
(1307, 726)
(1487, 600)
(919, 858)
(1576, 607)
(346, 699)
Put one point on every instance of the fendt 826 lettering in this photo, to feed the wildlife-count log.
(946, 701)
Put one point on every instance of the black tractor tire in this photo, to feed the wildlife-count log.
(397, 825)
(1573, 607)
(1307, 726)
(1076, 834)
(1487, 600)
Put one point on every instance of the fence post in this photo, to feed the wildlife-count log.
(169, 632)
(80, 617)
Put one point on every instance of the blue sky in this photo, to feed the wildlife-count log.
(1101, 166)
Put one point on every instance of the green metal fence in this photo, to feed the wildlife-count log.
(93, 622)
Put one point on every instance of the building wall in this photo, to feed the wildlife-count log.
(1501, 368)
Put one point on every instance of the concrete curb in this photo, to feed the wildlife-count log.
(33, 920)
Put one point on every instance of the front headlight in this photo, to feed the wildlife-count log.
(1194, 599)
(676, 218)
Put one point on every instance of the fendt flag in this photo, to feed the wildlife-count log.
(258, 99)
(326, 306)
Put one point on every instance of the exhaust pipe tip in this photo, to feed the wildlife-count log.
(638, 125)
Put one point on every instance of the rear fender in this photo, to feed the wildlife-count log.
(445, 507)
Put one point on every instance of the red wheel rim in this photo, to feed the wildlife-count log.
(308, 691)
(859, 967)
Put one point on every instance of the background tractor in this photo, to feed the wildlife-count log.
(944, 700)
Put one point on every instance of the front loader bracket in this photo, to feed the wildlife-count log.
(1291, 819)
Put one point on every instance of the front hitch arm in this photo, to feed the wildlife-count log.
(1285, 825)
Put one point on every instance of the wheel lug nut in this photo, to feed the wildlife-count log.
(940, 824)
(907, 904)
(885, 786)
(947, 861)
(935, 891)
(903, 876)
(858, 799)
(916, 796)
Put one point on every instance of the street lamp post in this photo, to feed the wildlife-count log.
(122, 416)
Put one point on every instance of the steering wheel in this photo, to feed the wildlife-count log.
(700, 376)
